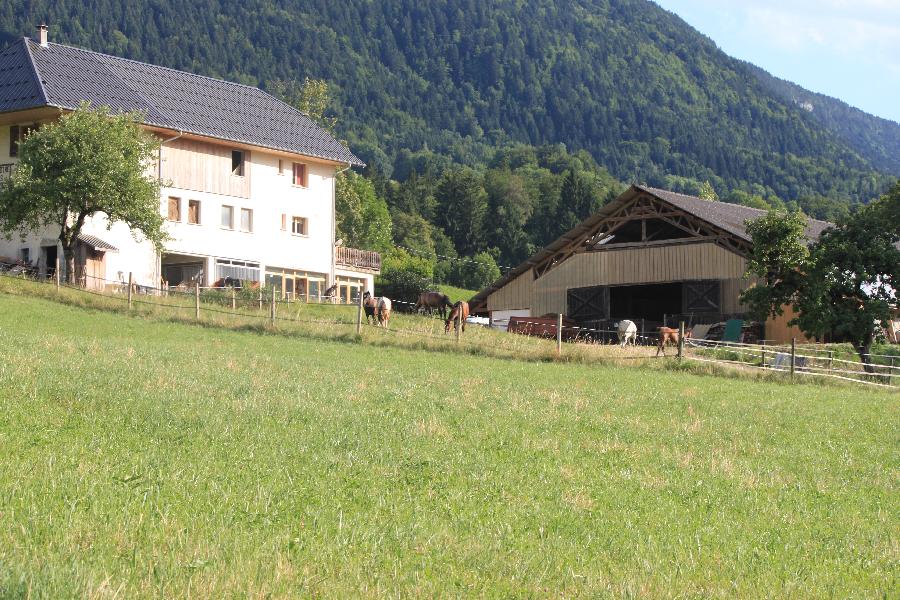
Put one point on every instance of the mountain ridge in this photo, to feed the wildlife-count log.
(648, 96)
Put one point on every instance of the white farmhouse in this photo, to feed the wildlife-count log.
(249, 181)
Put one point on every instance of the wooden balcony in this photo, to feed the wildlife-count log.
(351, 258)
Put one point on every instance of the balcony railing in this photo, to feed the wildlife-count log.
(6, 170)
(357, 259)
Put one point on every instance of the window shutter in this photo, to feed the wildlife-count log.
(14, 140)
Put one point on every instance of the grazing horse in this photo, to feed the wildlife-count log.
(667, 335)
(383, 311)
(627, 331)
(431, 300)
(461, 310)
(369, 305)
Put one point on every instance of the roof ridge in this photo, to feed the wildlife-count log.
(155, 66)
(34, 70)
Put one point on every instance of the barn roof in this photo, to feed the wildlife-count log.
(34, 76)
(731, 218)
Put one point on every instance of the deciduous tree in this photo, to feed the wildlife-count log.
(87, 163)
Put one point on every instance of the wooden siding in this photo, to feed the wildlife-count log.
(514, 295)
(779, 332)
(204, 167)
(631, 266)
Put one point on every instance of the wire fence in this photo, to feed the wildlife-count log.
(267, 306)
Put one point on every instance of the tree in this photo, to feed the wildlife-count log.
(312, 98)
(463, 206)
(403, 275)
(475, 273)
(853, 276)
(779, 258)
(843, 285)
(87, 163)
(707, 192)
(362, 218)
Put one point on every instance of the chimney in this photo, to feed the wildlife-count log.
(42, 34)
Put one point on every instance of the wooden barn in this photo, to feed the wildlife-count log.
(651, 256)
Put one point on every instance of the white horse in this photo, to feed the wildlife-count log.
(383, 311)
(627, 331)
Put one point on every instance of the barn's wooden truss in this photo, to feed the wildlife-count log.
(642, 216)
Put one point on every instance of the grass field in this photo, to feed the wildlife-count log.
(148, 458)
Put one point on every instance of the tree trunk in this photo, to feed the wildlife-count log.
(70, 265)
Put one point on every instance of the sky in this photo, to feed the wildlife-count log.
(847, 49)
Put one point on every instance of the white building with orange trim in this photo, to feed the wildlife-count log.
(248, 181)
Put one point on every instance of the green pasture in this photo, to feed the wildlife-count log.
(142, 456)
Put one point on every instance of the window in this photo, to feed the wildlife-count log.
(280, 167)
(25, 255)
(14, 140)
(237, 163)
(300, 174)
(283, 222)
(246, 219)
(194, 212)
(227, 217)
(298, 226)
(175, 209)
(17, 133)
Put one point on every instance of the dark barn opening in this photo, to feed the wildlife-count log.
(651, 302)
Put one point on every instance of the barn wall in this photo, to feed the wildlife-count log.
(632, 266)
(514, 295)
(779, 332)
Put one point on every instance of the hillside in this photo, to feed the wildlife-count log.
(650, 98)
(145, 458)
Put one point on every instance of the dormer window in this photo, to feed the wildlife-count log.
(237, 162)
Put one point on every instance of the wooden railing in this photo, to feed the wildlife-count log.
(6, 170)
(358, 259)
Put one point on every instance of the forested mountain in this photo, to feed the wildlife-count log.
(648, 96)
(875, 138)
(492, 127)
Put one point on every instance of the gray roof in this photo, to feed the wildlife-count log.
(730, 218)
(96, 243)
(32, 76)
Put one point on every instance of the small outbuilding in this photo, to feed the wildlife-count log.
(652, 256)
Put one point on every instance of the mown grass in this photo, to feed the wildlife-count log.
(147, 458)
(457, 293)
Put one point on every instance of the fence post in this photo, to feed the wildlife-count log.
(197, 299)
(793, 356)
(891, 373)
(57, 272)
(680, 340)
(272, 309)
(831, 360)
(762, 354)
(359, 312)
(260, 299)
(129, 289)
(559, 334)
(643, 333)
(233, 299)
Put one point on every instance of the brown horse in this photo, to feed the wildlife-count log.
(431, 300)
(667, 335)
(460, 311)
(369, 305)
